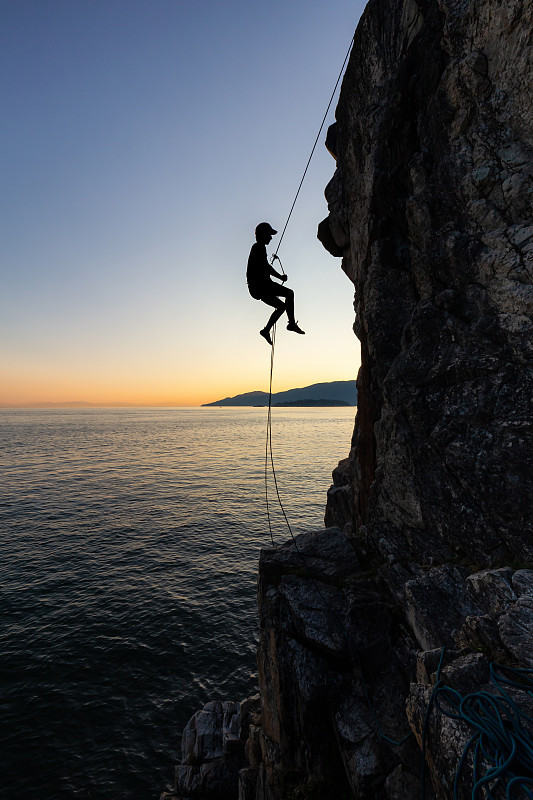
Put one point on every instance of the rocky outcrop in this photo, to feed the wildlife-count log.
(213, 750)
(429, 539)
(346, 672)
(431, 206)
(347, 667)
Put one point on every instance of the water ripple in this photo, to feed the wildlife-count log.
(131, 539)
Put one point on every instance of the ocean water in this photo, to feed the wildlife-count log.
(128, 595)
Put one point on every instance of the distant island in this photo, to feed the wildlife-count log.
(312, 403)
(334, 393)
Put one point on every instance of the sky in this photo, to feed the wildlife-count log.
(141, 143)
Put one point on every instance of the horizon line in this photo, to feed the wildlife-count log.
(103, 404)
(154, 404)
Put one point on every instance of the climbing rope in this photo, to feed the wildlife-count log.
(269, 454)
(501, 746)
(315, 144)
(275, 256)
(268, 445)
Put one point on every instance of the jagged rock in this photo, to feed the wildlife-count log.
(341, 474)
(516, 629)
(402, 784)
(432, 196)
(218, 778)
(325, 235)
(467, 673)
(211, 732)
(339, 506)
(492, 589)
(437, 603)
(446, 740)
(312, 612)
(359, 746)
(522, 581)
(212, 749)
(323, 645)
(253, 746)
(331, 140)
(325, 554)
(433, 184)
(427, 662)
(248, 783)
(480, 633)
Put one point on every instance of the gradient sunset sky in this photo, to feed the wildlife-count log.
(141, 142)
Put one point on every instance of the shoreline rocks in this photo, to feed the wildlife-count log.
(347, 661)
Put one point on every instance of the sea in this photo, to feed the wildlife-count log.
(131, 539)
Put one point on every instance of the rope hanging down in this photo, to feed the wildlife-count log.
(268, 447)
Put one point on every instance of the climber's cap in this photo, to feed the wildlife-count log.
(263, 228)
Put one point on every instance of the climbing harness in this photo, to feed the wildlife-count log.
(501, 747)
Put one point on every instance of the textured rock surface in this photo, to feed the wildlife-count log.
(213, 750)
(317, 631)
(347, 660)
(429, 537)
(431, 204)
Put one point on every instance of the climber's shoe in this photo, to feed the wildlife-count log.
(293, 326)
(265, 333)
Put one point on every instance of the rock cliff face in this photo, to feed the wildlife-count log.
(431, 208)
(429, 540)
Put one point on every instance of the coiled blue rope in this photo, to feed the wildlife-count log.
(502, 742)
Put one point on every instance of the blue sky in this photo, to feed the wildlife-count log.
(142, 141)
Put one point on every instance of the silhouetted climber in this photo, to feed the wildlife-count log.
(261, 287)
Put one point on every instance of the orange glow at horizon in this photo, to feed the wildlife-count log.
(47, 386)
(180, 368)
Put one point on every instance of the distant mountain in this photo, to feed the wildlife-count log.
(312, 404)
(344, 392)
(247, 399)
